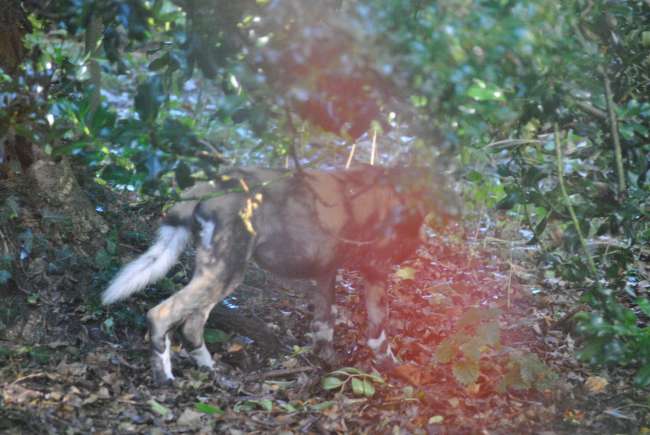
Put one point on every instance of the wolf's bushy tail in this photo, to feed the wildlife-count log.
(150, 266)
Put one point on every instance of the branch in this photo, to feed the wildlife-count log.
(93, 41)
(292, 144)
(567, 201)
(513, 142)
(592, 110)
(613, 125)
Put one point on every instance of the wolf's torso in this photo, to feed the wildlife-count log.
(304, 224)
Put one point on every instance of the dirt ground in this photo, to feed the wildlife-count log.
(68, 365)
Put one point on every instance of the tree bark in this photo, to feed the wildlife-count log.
(13, 26)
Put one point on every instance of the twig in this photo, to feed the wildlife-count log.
(292, 144)
(591, 109)
(92, 44)
(32, 376)
(280, 373)
(350, 156)
(613, 125)
(561, 323)
(513, 142)
(565, 196)
(374, 147)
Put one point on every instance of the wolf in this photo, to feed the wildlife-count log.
(304, 224)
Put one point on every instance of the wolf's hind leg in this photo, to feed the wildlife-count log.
(226, 264)
(193, 335)
(196, 296)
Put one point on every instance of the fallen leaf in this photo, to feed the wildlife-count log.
(413, 374)
(189, 417)
(235, 347)
(405, 273)
(596, 384)
(158, 408)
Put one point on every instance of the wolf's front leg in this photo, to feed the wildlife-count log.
(322, 326)
(377, 309)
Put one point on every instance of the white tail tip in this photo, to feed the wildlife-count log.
(150, 266)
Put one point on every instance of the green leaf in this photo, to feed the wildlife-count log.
(483, 92)
(593, 351)
(288, 407)
(33, 298)
(330, 383)
(376, 378)
(644, 305)
(642, 377)
(362, 387)
(150, 96)
(5, 352)
(475, 176)
(184, 175)
(102, 259)
(5, 276)
(159, 63)
(40, 354)
(645, 38)
(212, 336)
(466, 371)
(265, 404)
(250, 405)
(323, 405)
(207, 408)
(158, 408)
(11, 204)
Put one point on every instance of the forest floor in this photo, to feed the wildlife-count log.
(69, 366)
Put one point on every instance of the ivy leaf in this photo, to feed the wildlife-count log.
(466, 371)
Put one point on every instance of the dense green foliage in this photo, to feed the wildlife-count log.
(154, 94)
